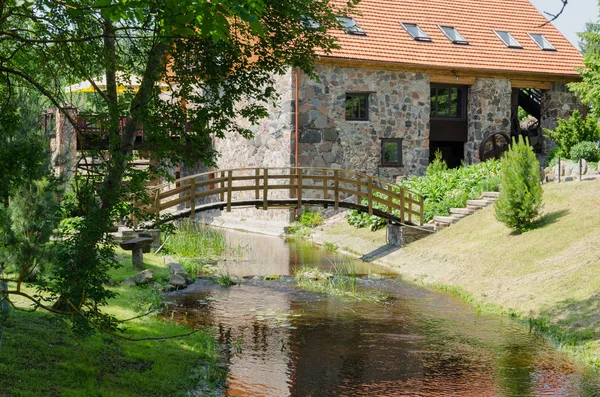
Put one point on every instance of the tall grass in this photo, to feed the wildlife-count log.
(341, 282)
(196, 240)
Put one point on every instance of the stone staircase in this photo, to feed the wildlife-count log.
(456, 214)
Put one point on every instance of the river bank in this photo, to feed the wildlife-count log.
(548, 276)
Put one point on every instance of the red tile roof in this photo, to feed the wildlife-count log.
(387, 41)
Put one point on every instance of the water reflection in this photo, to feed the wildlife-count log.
(420, 343)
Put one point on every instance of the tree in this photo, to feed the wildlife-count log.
(217, 60)
(589, 42)
(520, 200)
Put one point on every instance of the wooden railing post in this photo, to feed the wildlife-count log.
(370, 193)
(265, 189)
(222, 186)
(229, 183)
(325, 174)
(299, 188)
(412, 199)
(358, 188)
(156, 203)
(193, 198)
(422, 210)
(257, 184)
(389, 199)
(292, 183)
(402, 192)
(336, 189)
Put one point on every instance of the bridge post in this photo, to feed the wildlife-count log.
(229, 183)
(257, 184)
(336, 189)
(402, 192)
(358, 188)
(292, 183)
(157, 204)
(222, 186)
(192, 198)
(325, 174)
(265, 189)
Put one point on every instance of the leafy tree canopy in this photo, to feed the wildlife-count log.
(202, 65)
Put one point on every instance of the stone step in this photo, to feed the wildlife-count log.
(461, 211)
(458, 216)
(490, 195)
(439, 226)
(444, 219)
(478, 203)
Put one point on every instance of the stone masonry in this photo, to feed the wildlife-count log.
(557, 103)
(489, 111)
(398, 108)
(271, 146)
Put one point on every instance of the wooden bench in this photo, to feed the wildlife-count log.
(137, 246)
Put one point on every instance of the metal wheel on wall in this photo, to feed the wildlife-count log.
(494, 146)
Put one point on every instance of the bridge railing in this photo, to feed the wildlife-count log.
(276, 187)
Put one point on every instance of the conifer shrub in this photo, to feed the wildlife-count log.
(520, 200)
(585, 150)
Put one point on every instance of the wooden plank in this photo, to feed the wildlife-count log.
(173, 203)
(336, 189)
(370, 193)
(173, 192)
(352, 192)
(265, 189)
(229, 186)
(257, 184)
(213, 192)
(358, 188)
(211, 182)
(192, 198)
(354, 182)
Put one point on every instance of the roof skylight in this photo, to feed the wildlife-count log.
(507, 39)
(415, 31)
(453, 35)
(542, 42)
(350, 26)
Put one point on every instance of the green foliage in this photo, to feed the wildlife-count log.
(522, 114)
(147, 299)
(585, 150)
(520, 200)
(225, 279)
(442, 189)
(342, 282)
(310, 218)
(196, 240)
(570, 132)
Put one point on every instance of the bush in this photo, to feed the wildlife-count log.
(570, 132)
(585, 150)
(442, 189)
(520, 200)
(310, 218)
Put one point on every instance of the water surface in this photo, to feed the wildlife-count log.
(287, 342)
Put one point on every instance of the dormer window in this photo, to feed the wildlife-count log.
(507, 39)
(542, 42)
(415, 31)
(453, 35)
(350, 26)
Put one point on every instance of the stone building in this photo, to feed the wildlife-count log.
(413, 77)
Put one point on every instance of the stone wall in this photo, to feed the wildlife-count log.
(557, 103)
(399, 106)
(488, 111)
(270, 147)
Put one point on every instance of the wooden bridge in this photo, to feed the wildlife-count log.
(277, 188)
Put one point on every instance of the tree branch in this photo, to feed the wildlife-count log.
(554, 17)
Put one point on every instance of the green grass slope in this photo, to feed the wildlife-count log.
(550, 274)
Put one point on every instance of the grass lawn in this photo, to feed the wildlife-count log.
(550, 275)
(41, 357)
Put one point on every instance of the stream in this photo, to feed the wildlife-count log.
(283, 341)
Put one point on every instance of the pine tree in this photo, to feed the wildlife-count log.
(520, 200)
